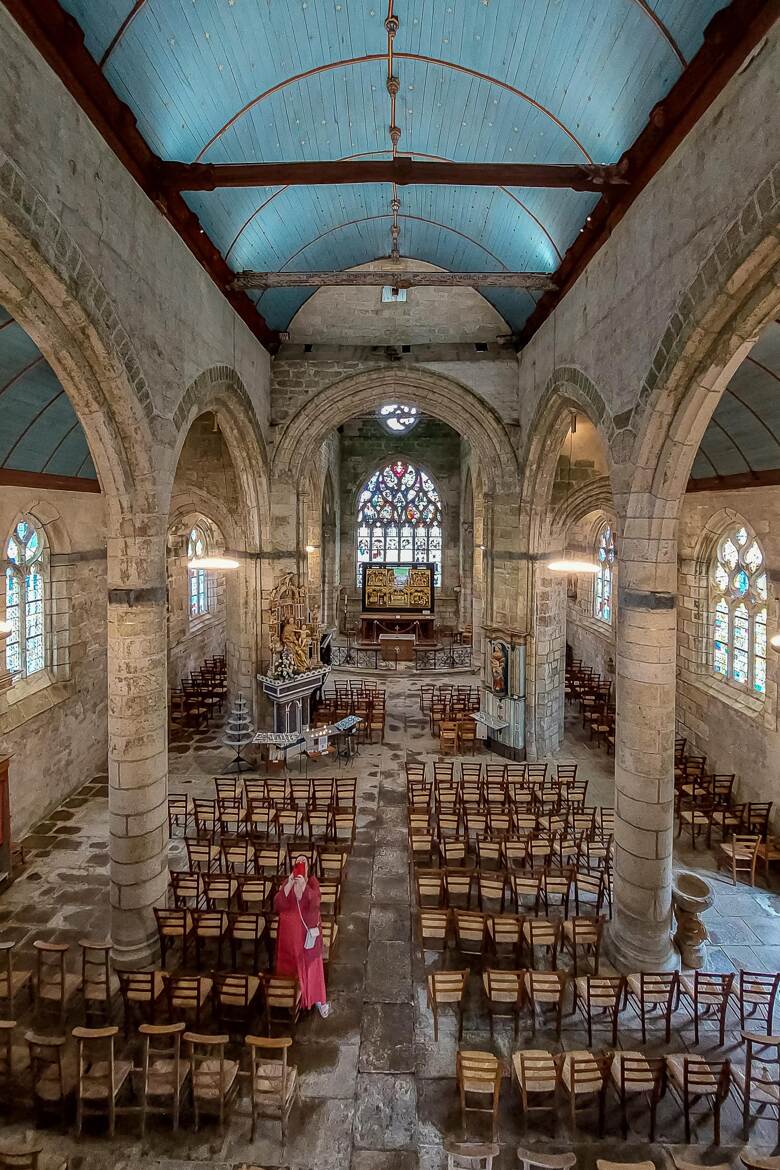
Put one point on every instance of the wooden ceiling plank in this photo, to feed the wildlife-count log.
(60, 41)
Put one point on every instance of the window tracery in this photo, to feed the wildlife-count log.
(200, 586)
(739, 592)
(602, 585)
(26, 598)
(399, 519)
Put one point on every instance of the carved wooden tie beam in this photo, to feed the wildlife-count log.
(539, 281)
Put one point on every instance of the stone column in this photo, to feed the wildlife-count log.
(644, 749)
(546, 668)
(137, 740)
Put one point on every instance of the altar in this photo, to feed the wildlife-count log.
(373, 626)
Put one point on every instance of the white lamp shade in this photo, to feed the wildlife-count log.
(216, 563)
(566, 566)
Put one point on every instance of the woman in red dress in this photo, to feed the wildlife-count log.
(298, 907)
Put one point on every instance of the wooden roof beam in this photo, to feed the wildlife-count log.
(396, 278)
(404, 171)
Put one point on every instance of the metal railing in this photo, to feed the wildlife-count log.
(455, 656)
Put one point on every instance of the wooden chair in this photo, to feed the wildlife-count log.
(209, 927)
(757, 1083)
(214, 1078)
(163, 1072)
(273, 1081)
(235, 1001)
(634, 1074)
(739, 855)
(505, 995)
(97, 981)
(446, 989)
(651, 992)
(54, 986)
(12, 980)
(203, 855)
(545, 989)
(756, 994)
(245, 928)
(457, 885)
(186, 889)
(469, 933)
(187, 997)
(583, 935)
(545, 933)
(282, 997)
(478, 1074)
(141, 992)
(101, 1077)
(471, 1155)
(430, 888)
(52, 1076)
(173, 926)
(505, 936)
(432, 929)
(537, 1073)
(600, 996)
(692, 1079)
(584, 1074)
(178, 813)
(707, 994)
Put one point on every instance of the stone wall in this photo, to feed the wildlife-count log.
(736, 731)
(365, 447)
(54, 723)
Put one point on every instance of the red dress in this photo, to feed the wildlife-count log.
(291, 958)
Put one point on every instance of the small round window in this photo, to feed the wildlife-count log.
(397, 418)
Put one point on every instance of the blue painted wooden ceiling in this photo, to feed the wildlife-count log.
(39, 430)
(548, 81)
(744, 432)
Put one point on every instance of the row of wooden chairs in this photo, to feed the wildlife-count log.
(487, 938)
(491, 772)
(201, 695)
(225, 819)
(265, 857)
(176, 1066)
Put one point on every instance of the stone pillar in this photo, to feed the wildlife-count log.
(137, 741)
(644, 750)
(546, 668)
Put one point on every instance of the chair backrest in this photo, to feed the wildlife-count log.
(764, 1052)
(281, 992)
(545, 986)
(658, 987)
(161, 1058)
(46, 1063)
(50, 969)
(433, 926)
(706, 1077)
(634, 1071)
(20, 1158)
(269, 1070)
(138, 986)
(96, 1061)
(504, 986)
(448, 986)
(207, 1065)
(95, 968)
(604, 991)
(478, 1072)
(709, 986)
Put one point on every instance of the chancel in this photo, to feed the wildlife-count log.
(390, 623)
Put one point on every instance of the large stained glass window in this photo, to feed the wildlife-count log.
(602, 586)
(399, 519)
(738, 594)
(26, 597)
(200, 585)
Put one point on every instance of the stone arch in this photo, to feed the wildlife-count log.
(221, 390)
(714, 325)
(51, 289)
(593, 496)
(442, 397)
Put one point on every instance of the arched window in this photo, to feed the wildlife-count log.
(200, 584)
(738, 596)
(399, 519)
(602, 585)
(26, 598)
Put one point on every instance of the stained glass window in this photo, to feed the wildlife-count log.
(26, 595)
(399, 519)
(398, 418)
(602, 588)
(739, 593)
(200, 585)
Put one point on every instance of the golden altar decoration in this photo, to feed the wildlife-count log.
(396, 587)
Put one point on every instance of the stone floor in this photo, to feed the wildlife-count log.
(377, 1093)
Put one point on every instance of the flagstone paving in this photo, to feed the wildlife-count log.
(376, 1091)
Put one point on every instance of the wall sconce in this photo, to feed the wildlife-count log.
(774, 642)
(312, 548)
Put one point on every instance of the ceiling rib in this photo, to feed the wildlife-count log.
(401, 169)
(120, 32)
(349, 61)
(60, 41)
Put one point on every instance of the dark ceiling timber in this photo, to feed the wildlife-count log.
(9, 477)
(396, 278)
(60, 41)
(729, 38)
(746, 479)
(401, 169)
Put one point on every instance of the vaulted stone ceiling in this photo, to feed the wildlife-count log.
(39, 430)
(546, 81)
